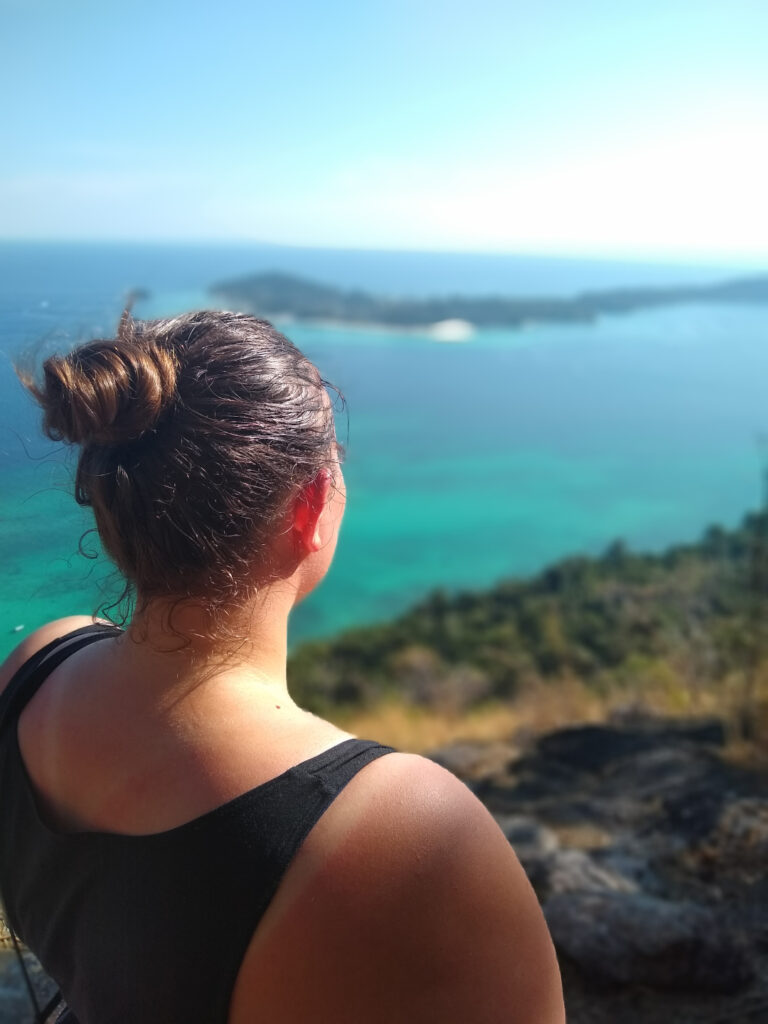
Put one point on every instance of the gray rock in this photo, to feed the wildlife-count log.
(631, 938)
(665, 768)
(528, 837)
(738, 844)
(577, 871)
(708, 729)
(572, 870)
(591, 748)
(632, 861)
(474, 760)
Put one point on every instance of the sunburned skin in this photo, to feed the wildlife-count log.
(406, 903)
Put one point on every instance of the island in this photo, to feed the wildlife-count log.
(278, 295)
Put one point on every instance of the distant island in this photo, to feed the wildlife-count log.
(276, 294)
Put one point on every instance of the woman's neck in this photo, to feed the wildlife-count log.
(180, 641)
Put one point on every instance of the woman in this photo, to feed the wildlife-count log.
(178, 840)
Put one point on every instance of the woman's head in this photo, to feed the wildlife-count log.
(197, 433)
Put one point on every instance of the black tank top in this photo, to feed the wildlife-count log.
(151, 928)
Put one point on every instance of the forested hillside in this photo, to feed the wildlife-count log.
(692, 616)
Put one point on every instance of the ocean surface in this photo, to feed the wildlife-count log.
(466, 462)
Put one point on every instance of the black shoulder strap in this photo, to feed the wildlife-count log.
(28, 679)
(24, 683)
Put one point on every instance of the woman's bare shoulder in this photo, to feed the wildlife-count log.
(408, 905)
(35, 642)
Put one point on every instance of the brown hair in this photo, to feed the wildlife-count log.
(196, 431)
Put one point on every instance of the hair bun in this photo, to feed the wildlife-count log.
(107, 392)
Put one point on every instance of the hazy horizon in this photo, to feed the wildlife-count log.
(718, 261)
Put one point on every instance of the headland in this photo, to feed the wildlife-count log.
(275, 295)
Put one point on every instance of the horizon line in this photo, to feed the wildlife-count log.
(675, 257)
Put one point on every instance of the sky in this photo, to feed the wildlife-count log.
(559, 126)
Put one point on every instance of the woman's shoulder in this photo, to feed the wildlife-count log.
(408, 903)
(39, 639)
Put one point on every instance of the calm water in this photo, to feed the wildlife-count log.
(466, 462)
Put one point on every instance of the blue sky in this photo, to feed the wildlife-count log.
(581, 127)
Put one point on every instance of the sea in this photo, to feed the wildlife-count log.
(467, 462)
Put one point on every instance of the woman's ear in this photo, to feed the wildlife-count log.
(308, 511)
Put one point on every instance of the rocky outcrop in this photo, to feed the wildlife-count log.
(623, 937)
(592, 747)
(649, 854)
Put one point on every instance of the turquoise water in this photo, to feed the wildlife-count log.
(466, 462)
